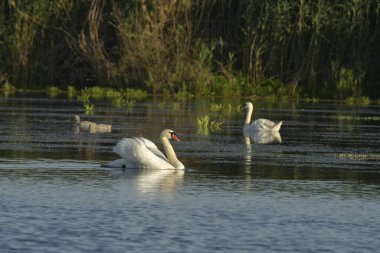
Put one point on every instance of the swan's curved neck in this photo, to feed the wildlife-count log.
(170, 154)
(248, 116)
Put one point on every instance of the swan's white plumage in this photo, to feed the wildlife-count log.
(266, 125)
(263, 137)
(137, 152)
(259, 124)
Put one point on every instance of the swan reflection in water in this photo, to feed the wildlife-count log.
(159, 180)
(151, 180)
(258, 137)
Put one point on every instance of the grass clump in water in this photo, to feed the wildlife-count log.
(118, 102)
(130, 104)
(363, 100)
(7, 88)
(205, 125)
(71, 91)
(136, 94)
(224, 109)
(88, 108)
(52, 91)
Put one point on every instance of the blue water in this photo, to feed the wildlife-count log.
(317, 190)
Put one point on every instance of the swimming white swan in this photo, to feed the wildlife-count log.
(262, 137)
(259, 124)
(137, 152)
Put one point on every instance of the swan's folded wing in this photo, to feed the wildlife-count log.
(267, 123)
(127, 148)
(153, 148)
(141, 152)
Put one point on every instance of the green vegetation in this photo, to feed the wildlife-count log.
(205, 125)
(364, 101)
(7, 88)
(52, 91)
(71, 91)
(88, 108)
(130, 105)
(126, 49)
(221, 110)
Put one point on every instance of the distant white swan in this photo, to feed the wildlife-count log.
(259, 124)
(137, 152)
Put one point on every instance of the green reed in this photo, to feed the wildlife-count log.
(274, 49)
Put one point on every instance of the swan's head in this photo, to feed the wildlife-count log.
(248, 106)
(169, 134)
(76, 119)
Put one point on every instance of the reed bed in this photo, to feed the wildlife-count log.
(324, 49)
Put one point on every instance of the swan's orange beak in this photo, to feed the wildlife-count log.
(175, 137)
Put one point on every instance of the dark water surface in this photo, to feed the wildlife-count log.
(317, 190)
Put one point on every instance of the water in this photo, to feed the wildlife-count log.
(317, 190)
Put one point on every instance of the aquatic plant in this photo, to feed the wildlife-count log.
(162, 105)
(202, 123)
(311, 100)
(348, 81)
(177, 106)
(182, 93)
(221, 110)
(52, 91)
(216, 108)
(136, 94)
(205, 125)
(363, 100)
(118, 102)
(130, 103)
(85, 98)
(71, 91)
(88, 108)
(97, 92)
(215, 125)
(7, 88)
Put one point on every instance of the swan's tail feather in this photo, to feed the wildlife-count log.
(121, 146)
(277, 127)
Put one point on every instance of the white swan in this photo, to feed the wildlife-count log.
(137, 152)
(262, 137)
(259, 124)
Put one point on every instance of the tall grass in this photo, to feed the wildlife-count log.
(201, 47)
